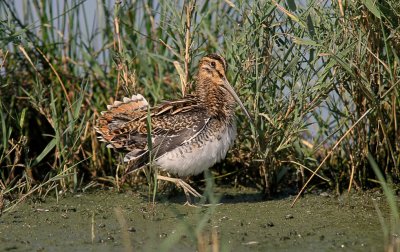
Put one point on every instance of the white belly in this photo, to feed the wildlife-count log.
(191, 158)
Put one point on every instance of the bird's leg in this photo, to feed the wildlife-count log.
(185, 186)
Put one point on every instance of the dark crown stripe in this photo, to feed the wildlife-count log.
(219, 58)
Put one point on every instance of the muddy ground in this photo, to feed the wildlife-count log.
(105, 220)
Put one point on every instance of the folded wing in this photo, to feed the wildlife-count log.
(124, 127)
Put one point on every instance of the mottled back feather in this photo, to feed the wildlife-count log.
(124, 126)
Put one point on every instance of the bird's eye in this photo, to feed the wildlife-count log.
(212, 64)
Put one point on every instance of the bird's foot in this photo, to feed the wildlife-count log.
(185, 186)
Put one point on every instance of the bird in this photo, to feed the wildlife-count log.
(187, 135)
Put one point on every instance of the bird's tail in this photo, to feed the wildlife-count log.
(113, 121)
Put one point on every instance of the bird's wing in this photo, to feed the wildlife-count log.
(124, 127)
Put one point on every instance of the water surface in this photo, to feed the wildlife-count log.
(105, 220)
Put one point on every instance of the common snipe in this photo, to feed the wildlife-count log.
(188, 135)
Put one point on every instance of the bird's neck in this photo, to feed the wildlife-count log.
(218, 102)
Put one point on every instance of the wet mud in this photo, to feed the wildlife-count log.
(105, 220)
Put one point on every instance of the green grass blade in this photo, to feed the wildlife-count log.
(50, 146)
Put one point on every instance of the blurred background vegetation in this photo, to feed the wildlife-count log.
(321, 79)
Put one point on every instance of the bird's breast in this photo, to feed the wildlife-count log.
(201, 152)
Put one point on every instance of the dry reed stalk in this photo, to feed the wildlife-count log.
(58, 78)
(189, 12)
(126, 241)
(330, 153)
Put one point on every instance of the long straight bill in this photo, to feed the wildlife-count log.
(236, 97)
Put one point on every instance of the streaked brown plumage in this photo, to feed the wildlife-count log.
(188, 135)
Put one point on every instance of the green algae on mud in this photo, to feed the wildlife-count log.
(107, 220)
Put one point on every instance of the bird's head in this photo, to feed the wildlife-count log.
(214, 67)
(212, 74)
